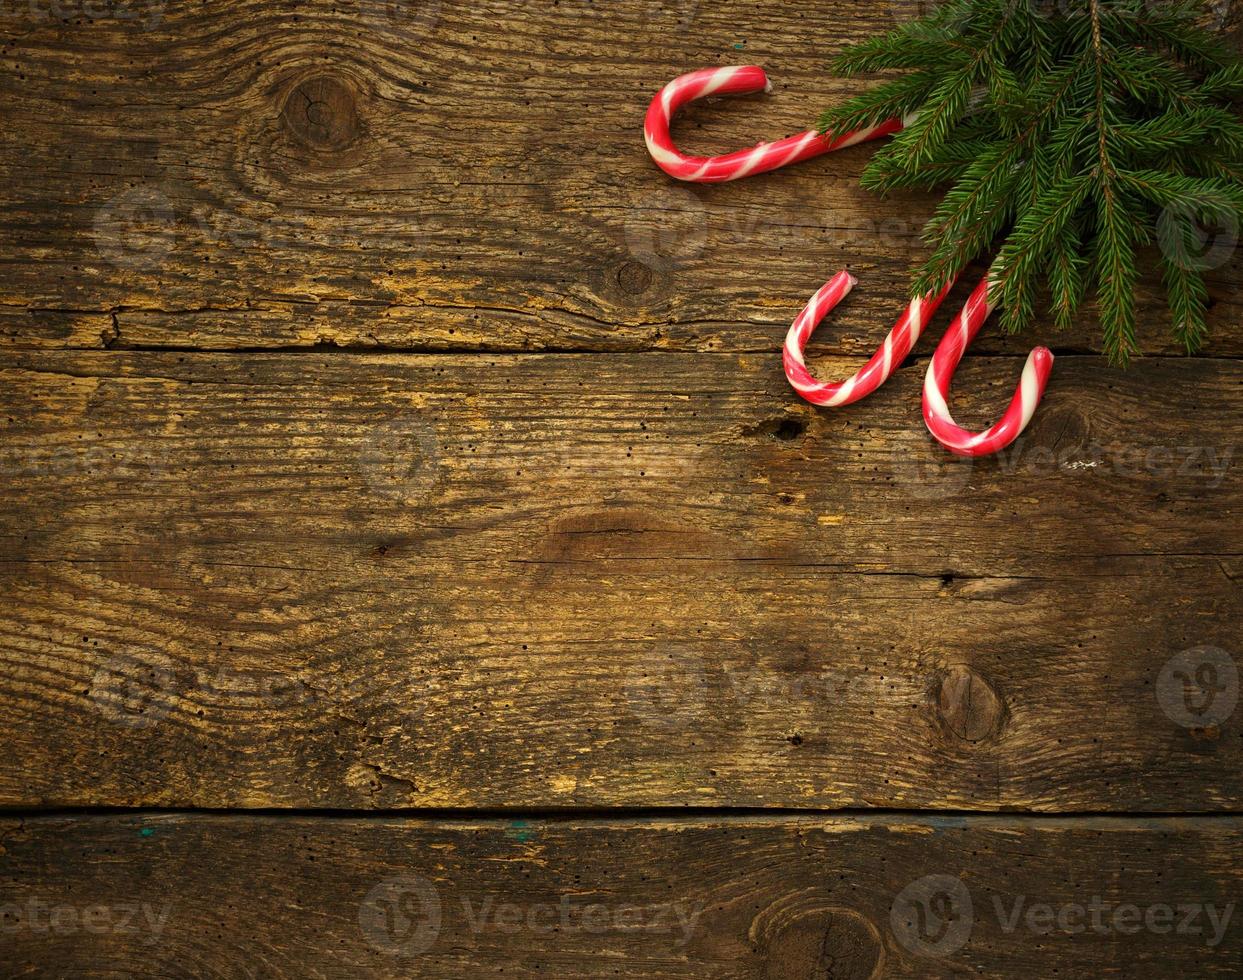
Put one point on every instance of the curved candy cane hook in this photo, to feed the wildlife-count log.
(737, 80)
(902, 338)
(941, 374)
(771, 156)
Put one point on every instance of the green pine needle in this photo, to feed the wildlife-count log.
(1067, 136)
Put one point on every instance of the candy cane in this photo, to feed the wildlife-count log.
(884, 362)
(902, 338)
(738, 80)
(941, 374)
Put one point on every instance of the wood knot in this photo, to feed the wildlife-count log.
(783, 428)
(322, 114)
(633, 283)
(634, 278)
(822, 944)
(969, 706)
(1064, 430)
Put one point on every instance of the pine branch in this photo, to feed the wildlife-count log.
(1066, 136)
(1188, 301)
(1117, 273)
(878, 104)
(1067, 275)
(1031, 244)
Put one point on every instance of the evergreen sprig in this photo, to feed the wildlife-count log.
(1068, 135)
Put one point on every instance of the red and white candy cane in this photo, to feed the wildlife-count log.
(737, 80)
(876, 372)
(941, 374)
(770, 156)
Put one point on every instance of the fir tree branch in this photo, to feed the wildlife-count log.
(1066, 140)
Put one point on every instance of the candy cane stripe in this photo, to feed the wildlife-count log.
(739, 80)
(877, 371)
(940, 376)
(736, 80)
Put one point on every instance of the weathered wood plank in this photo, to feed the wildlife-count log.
(158, 895)
(569, 580)
(442, 176)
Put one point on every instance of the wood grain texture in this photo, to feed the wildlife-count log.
(192, 896)
(574, 545)
(457, 175)
(602, 580)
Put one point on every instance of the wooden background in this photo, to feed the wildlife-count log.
(415, 563)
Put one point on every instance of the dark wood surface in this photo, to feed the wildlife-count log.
(601, 580)
(192, 896)
(389, 447)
